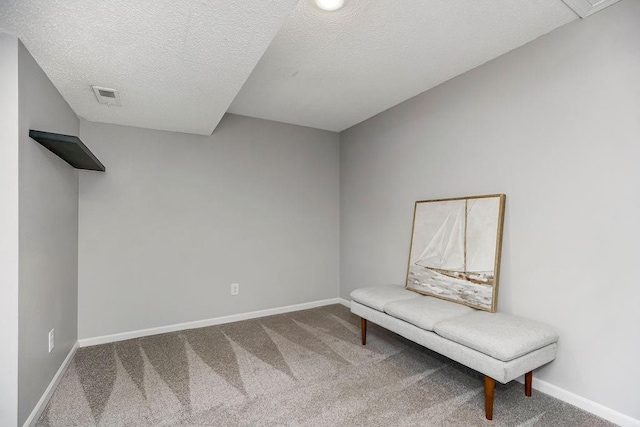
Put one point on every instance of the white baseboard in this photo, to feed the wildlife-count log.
(42, 403)
(583, 403)
(345, 302)
(86, 342)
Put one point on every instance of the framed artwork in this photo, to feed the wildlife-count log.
(455, 249)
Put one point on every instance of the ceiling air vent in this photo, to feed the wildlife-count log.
(585, 8)
(106, 95)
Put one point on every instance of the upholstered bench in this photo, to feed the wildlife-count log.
(500, 346)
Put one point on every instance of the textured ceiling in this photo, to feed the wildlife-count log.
(332, 70)
(177, 64)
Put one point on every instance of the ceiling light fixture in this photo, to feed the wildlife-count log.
(330, 5)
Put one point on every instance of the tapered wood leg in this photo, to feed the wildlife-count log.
(363, 330)
(528, 379)
(489, 387)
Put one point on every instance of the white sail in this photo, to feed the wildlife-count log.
(482, 223)
(454, 253)
(446, 249)
(432, 254)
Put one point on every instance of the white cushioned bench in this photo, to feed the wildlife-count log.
(500, 346)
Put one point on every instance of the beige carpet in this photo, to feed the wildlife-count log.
(299, 369)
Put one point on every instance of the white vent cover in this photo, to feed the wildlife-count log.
(106, 95)
(585, 8)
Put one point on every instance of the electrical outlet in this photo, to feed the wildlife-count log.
(52, 339)
(235, 289)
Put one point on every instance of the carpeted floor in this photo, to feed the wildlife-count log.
(299, 369)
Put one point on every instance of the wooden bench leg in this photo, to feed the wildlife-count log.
(363, 330)
(528, 379)
(489, 387)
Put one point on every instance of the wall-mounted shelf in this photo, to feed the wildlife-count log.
(68, 148)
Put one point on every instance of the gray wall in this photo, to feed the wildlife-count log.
(8, 230)
(48, 262)
(554, 125)
(177, 218)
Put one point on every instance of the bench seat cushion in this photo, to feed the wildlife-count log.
(502, 336)
(377, 296)
(426, 311)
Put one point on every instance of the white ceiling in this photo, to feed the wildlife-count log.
(179, 64)
(332, 70)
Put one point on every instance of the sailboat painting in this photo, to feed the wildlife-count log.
(455, 249)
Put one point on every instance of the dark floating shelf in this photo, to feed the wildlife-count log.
(68, 148)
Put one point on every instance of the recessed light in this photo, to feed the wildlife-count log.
(330, 5)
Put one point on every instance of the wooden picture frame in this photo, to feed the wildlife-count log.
(455, 250)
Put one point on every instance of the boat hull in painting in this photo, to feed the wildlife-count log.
(425, 280)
